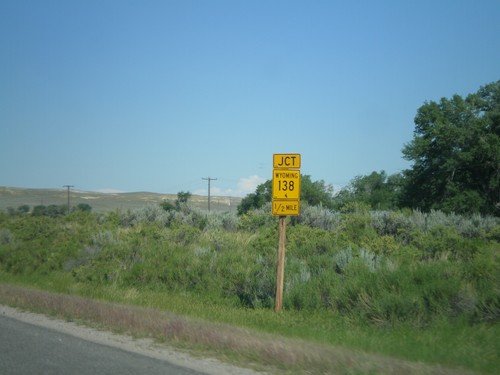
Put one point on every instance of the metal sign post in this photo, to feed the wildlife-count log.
(286, 201)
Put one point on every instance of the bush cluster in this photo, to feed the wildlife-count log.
(379, 267)
(52, 210)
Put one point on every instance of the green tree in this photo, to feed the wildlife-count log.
(182, 200)
(315, 193)
(256, 200)
(23, 209)
(183, 196)
(311, 192)
(376, 190)
(456, 154)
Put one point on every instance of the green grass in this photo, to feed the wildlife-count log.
(405, 286)
(450, 344)
(446, 343)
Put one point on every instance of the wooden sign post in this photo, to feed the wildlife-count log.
(286, 201)
(280, 273)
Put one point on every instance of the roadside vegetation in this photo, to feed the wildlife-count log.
(378, 267)
(420, 286)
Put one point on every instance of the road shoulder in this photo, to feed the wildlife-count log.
(146, 347)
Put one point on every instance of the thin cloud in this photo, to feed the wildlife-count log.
(244, 186)
(247, 185)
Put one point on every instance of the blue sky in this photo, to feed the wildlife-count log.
(156, 95)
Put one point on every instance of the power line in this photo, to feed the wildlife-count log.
(208, 179)
(68, 187)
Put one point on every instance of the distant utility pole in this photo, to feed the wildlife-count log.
(209, 179)
(68, 187)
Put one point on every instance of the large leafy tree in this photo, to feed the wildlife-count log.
(456, 154)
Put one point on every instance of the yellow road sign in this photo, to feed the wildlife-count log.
(286, 184)
(288, 161)
(286, 207)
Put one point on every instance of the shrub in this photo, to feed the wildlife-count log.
(255, 219)
(304, 296)
(356, 228)
(372, 260)
(494, 234)
(383, 268)
(226, 221)
(6, 237)
(99, 242)
(84, 207)
(443, 241)
(342, 259)
(318, 217)
(21, 210)
(56, 210)
(168, 206)
(183, 234)
(304, 241)
(39, 210)
(391, 223)
(382, 296)
(383, 245)
(252, 281)
(219, 239)
(150, 214)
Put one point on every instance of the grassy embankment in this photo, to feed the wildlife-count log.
(404, 285)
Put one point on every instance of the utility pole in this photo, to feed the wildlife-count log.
(68, 187)
(209, 179)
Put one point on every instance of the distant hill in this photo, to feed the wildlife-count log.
(100, 202)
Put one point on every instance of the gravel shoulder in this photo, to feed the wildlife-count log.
(144, 347)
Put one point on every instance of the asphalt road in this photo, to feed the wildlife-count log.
(31, 349)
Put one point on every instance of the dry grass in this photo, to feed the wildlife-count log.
(273, 353)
